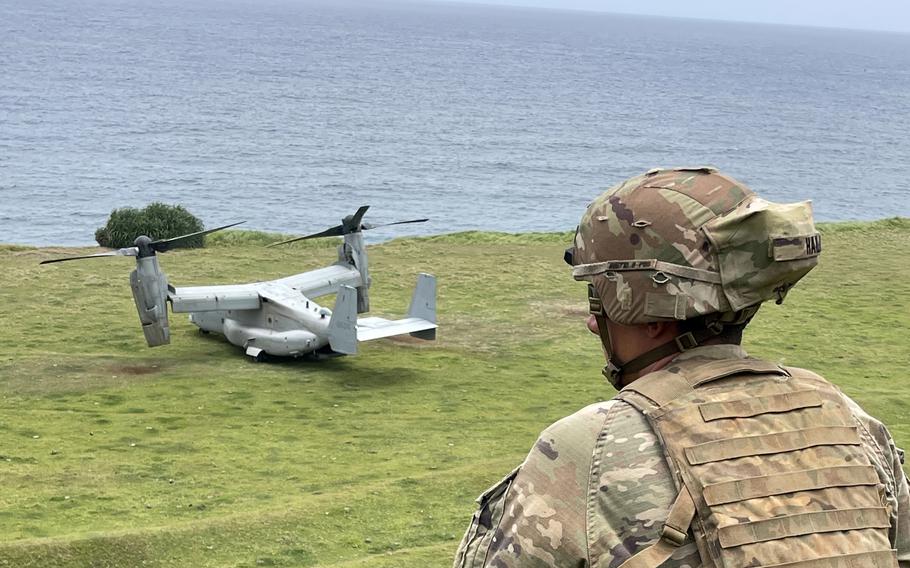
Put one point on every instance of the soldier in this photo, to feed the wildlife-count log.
(706, 456)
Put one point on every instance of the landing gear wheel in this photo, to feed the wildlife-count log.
(256, 354)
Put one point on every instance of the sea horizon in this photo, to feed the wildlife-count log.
(480, 117)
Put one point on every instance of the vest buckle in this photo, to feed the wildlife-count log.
(686, 341)
(673, 536)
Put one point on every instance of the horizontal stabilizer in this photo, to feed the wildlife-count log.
(374, 328)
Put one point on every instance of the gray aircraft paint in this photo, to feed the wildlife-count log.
(278, 317)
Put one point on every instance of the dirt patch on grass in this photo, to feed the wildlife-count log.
(134, 370)
(562, 308)
(61, 375)
(408, 340)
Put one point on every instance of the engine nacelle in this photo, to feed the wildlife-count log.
(149, 287)
(353, 251)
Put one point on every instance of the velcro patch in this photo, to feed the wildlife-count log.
(876, 559)
(790, 482)
(666, 306)
(795, 248)
(754, 406)
(804, 523)
(731, 448)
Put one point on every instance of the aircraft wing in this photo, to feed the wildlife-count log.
(311, 284)
(214, 298)
(322, 281)
(374, 328)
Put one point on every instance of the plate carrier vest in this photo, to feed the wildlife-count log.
(770, 468)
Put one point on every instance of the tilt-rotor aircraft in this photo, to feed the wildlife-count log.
(278, 317)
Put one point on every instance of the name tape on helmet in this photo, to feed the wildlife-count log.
(584, 271)
(795, 248)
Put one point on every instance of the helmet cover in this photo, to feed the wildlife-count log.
(676, 244)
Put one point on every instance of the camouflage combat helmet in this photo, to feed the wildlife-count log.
(684, 243)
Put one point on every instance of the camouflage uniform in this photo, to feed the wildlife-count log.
(595, 489)
(694, 244)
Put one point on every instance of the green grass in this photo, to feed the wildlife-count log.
(114, 454)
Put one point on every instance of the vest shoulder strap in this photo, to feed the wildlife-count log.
(676, 381)
(672, 536)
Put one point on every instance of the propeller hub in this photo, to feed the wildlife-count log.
(144, 244)
(350, 224)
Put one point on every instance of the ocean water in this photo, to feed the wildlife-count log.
(291, 114)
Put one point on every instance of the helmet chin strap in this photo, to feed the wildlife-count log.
(614, 370)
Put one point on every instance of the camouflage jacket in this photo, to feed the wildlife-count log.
(595, 489)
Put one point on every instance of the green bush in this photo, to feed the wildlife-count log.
(157, 221)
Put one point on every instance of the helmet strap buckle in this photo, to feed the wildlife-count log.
(613, 374)
(595, 305)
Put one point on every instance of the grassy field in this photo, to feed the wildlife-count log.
(114, 454)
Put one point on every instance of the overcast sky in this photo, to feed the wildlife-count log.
(891, 15)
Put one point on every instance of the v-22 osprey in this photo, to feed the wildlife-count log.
(278, 317)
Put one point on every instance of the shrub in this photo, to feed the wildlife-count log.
(157, 221)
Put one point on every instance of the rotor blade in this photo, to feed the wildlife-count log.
(130, 251)
(368, 226)
(174, 242)
(358, 216)
(336, 231)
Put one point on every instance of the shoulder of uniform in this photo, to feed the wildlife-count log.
(577, 436)
(804, 373)
(632, 486)
(810, 377)
(852, 406)
(873, 426)
(539, 510)
(629, 452)
(589, 417)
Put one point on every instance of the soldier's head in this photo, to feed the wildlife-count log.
(682, 257)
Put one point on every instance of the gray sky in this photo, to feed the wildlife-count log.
(890, 15)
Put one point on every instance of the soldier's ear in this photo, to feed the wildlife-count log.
(659, 329)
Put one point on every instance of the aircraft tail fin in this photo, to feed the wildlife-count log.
(420, 321)
(345, 329)
(342, 329)
(423, 305)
